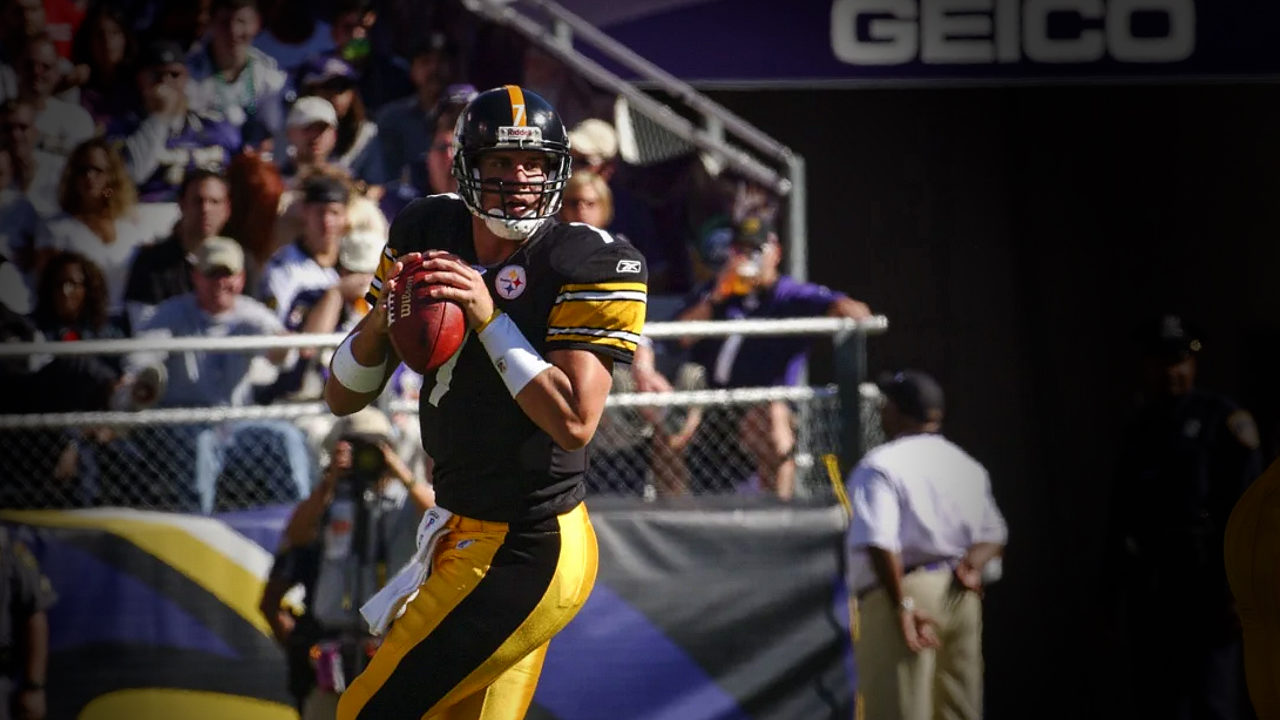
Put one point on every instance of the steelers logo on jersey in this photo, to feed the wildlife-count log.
(510, 282)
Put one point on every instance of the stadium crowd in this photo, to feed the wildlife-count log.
(231, 167)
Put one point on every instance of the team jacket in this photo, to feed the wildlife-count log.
(570, 286)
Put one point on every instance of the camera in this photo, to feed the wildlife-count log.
(368, 464)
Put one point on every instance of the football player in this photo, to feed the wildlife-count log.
(550, 307)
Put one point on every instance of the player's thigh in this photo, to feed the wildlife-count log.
(506, 698)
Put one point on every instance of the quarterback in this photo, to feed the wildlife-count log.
(549, 308)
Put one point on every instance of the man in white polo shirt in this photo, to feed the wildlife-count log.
(924, 527)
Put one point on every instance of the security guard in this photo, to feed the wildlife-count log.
(25, 594)
(1185, 462)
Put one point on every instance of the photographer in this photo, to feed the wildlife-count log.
(356, 527)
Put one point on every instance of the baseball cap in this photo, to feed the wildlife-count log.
(219, 253)
(322, 70)
(1169, 336)
(754, 231)
(325, 190)
(311, 109)
(360, 251)
(369, 424)
(595, 140)
(161, 52)
(915, 393)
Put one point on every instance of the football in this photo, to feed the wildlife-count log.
(425, 331)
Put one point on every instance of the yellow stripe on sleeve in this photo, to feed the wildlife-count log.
(605, 286)
(623, 315)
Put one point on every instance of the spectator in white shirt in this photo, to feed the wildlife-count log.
(62, 125)
(231, 78)
(99, 219)
(309, 263)
(925, 526)
(35, 172)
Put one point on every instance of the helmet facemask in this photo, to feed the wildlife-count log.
(549, 191)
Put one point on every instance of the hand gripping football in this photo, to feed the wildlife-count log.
(425, 331)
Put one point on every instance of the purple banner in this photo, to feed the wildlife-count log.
(762, 42)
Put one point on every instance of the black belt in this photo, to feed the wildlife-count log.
(929, 566)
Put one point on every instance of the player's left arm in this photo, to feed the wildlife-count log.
(596, 320)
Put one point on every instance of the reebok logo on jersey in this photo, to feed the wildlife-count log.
(512, 133)
(628, 266)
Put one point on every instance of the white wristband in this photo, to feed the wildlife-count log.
(351, 374)
(516, 360)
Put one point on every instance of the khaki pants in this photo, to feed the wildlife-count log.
(944, 683)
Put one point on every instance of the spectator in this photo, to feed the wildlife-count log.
(365, 485)
(215, 308)
(312, 133)
(407, 126)
(185, 22)
(383, 75)
(309, 263)
(363, 215)
(256, 188)
(72, 305)
(1187, 458)
(750, 286)
(104, 51)
(336, 308)
(235, 80)
(73, 302)
(291, 34)
(99, 222)
(25, 596)
(437, 166)
(163, 270)
(60, 125)
(19, 222)
(925, 526)
(164, 138)
(357, 149)
(35, 172)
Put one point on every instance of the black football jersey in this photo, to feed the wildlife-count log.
(569, 286)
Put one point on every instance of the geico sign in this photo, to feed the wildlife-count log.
(945, 32)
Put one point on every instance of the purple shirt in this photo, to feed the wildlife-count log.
(761, 361)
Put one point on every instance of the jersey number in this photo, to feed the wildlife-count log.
(444, 376)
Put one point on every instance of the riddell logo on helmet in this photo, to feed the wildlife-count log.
(512, 133)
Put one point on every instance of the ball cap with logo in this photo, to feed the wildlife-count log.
(219, 253)
(915, 392)
(753, 231)
(1169, 337)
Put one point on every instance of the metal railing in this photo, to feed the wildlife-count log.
(694, 440)
(558, 39)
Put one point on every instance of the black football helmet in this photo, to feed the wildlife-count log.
(510, 118)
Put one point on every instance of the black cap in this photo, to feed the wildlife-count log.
(1169, 337)
(915, 393)
(325, 190)
(161, 52)
(753, 231)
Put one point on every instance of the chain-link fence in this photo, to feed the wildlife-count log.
(771, 440)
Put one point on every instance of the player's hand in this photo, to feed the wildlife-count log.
(919, 631)
(378, 315)
(453, 279)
